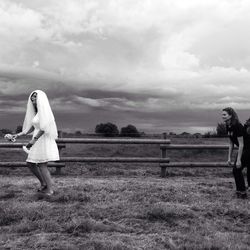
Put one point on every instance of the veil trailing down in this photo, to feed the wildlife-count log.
(45, 115)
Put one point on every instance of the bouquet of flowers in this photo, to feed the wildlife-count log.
(26, 150)
(10, 137)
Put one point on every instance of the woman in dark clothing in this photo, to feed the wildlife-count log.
(236, 132)
(245, 159)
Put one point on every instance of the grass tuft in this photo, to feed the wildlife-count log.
(104, 245)
(82, 226)
(9, 215)
(65, 197)
(7, 195)
(171, 213)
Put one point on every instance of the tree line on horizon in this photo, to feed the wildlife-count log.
(111, 130)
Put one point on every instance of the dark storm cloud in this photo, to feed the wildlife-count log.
(17, 85)
(154, 63)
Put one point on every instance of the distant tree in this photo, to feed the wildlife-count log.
(19, 128)
(130, 131)
(197, 135)
(172, 133)
(60, 133)
(107, 129)
(142, 133)
(185, 134)
(78, 133)
(210, 134)
(221, 130)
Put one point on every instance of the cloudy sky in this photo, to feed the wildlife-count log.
(162, 65)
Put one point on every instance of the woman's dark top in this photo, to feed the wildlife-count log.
(246, 137)
(234, 131)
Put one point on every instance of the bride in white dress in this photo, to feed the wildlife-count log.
(42, 148)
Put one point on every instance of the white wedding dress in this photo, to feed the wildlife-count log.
(45, 148)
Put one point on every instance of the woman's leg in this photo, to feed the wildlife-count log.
(240, 182)
(46, 176)
(248, 175)
(239, 179)
(36, 171)
(245, 162)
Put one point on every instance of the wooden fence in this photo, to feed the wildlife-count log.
(164, 146)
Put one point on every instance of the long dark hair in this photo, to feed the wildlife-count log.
(234, 116)
(247, 123)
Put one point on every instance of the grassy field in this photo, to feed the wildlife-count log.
(124, 206)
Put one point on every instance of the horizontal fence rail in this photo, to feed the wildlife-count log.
(195, 164)
(195, 146)
(113, 141)
(24, 164)
(61, 143)
(21, 144)
(116, 159)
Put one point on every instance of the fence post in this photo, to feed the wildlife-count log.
(163, 155)
(58, 169)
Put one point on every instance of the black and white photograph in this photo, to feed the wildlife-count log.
(124, 124)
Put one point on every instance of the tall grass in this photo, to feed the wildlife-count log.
(124, 213)
(125, 206)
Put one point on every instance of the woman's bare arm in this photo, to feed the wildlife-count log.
(22, 133)
(240, 149)
(230, 151)
(39, 134)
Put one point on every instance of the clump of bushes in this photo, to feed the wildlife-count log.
(107, 129)
(130, 131)
(111, 130)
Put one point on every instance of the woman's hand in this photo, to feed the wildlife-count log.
(17, 135)
(30, 144)
(238, 165)
(14, 136)
(229, 163)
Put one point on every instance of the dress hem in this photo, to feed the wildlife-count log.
(42, 161)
